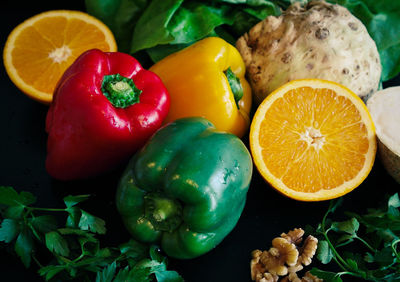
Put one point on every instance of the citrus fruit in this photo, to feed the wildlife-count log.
(39, 50)
(313, 140)
(384, 107)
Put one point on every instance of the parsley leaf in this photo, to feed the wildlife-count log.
(394, 201)
(10, 197)
(134, 250)
(122, 275)
(14, 212)
(139, 273)
(107, 274)
(74, 216)
(378, 232)
(50, 271)
(334, 204)
(324, 253)
(75, 248)
(9, 230)
(44, 223)
(155, 254)
(326, 275)
(92, 223)
(350, 226)
(384, 257)
(24, 247)
(168, 276)
(56, 243)
(71, 201)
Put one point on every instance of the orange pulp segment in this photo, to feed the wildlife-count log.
(40, 49)
(313, 140)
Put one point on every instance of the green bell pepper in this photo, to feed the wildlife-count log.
(186, 188)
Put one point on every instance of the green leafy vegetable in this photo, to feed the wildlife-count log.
(120, 15)
(71, 201)
(161, 27)
(326, 275)
(92, 223)
(324, 253)
(56, 243)
(200, 21)
(107, 274)
(349, 226)
(43, 223)
(24, 246)
(75, 248)
(151, 28)
(159, 52)
(10, 197)
(378, 232)
(168, 276)
(9, 230)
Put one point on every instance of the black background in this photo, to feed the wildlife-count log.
(266, 215)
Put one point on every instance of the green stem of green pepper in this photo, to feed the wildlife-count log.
(163, 212)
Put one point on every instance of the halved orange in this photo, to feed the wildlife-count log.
(313, 140)
(39, 50)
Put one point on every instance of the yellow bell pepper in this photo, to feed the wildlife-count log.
(200, 80)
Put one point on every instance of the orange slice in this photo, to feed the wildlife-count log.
(39, 50)
(313, 140)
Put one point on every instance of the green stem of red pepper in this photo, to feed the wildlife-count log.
(120, 91)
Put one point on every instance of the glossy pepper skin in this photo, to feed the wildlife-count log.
(105, 107)
(198, 86)
(186, 188)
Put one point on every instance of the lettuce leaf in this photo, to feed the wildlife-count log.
(161, 27)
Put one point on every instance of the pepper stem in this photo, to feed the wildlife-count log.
(163, 212)
(236, 86)
(120, 90)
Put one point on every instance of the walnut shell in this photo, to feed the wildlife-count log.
(285, 257)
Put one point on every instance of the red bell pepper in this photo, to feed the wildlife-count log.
(105, 107)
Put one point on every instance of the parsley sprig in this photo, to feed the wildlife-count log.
(376, 234)
(75, 251)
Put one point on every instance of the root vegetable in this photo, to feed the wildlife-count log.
(384, 108)
(319, 40)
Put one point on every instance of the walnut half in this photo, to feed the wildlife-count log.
(285, 257)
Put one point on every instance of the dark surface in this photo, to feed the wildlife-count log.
(266, 215)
